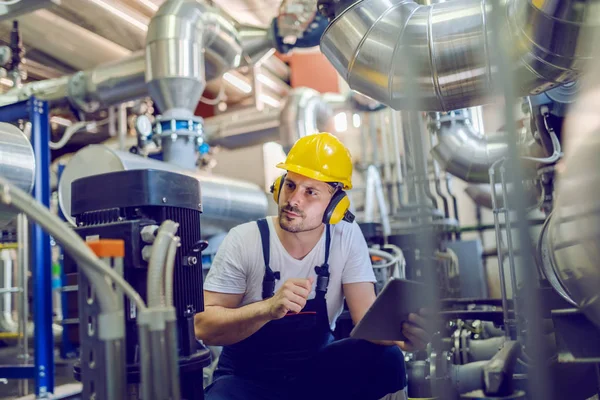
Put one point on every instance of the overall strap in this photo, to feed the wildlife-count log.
(323, 270)
(268, 284)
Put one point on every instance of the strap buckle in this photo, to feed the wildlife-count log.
(322, 278)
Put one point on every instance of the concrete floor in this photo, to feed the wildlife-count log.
(10, 390)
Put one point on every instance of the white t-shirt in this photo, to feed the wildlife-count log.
(239, 267)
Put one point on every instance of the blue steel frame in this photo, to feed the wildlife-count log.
(36, 111)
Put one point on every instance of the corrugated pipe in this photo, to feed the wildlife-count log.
(450, 51)
(461, 151)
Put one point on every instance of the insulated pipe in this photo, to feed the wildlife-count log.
(375, 190)
(225, 202)
(571, 239)
(216, 42)
(185, 37)
(367, 43)
(461, 151)
(303, 113)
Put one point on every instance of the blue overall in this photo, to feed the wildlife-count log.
(295, 357)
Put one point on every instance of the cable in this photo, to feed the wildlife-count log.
(557, 153)
(169, 269)
(73, 129)
(73, 244)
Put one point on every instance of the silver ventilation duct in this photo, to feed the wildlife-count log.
(461, 151)
(17, 164)
(226, 202)
(569, 241)
(449, 50)
(185, 37)
(303, 113)
(125, 79)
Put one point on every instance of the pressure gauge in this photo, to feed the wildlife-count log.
(143, 126)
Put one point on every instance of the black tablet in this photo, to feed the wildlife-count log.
(383, 320)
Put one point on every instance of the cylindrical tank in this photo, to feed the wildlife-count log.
(572, 237)
(225, 202)
(17, 164)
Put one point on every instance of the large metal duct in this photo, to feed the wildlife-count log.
(17, 164)
(569, 241)
(169, 56)
(186, 42)
(374, 44)
(463, 152)
(303, 113)
(226, 202)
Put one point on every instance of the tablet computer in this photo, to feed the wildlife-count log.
(398, 298)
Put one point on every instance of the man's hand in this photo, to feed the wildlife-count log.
(416, 332)
(291, 297)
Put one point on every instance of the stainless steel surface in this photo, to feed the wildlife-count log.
(450, 49)
(13, 10)
(547, 265)
(243, 128)
(305, 112)
(574, 229)
(17, 164)
(481, 194)
(511, 253)
(463, 152)
(23, 298)
(257, 43)
(59, 37)
(492, 174)
(188, 42)
(226, 202)
(394, 131)
(116, 371)
(110, 83)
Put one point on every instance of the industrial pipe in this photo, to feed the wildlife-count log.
(187, 41)
(17, 164)
(461, 151)
(225, 202)
(213, 47)
(304, 112)
(570, 240)
(367, 42)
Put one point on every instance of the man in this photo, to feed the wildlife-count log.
(276, 288)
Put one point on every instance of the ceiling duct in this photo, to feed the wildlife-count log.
(164, 61)
(463, 152)
(450, 50)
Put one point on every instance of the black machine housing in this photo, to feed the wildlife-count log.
(119, 205)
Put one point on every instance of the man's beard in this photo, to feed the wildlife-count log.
(295, 224)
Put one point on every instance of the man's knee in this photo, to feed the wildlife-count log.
(391, 368)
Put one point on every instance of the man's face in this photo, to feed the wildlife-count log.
(302, 203)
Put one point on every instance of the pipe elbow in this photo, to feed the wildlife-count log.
(304, 113)
(187, 42)
(462, 152)
(438, 57)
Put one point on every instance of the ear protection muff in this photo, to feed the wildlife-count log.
(276, 187)
(337, 210)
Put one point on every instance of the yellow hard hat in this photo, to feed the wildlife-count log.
(322, 157)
